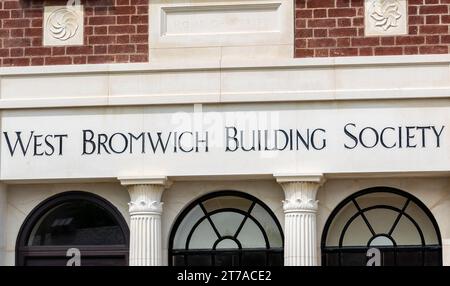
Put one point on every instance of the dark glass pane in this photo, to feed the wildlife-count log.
(433, 257)
(104, 261)
(275, 259)
(408, 257)
(178, 260)
(77, 222)
(387, 257)
(332, 259)
(254, 258)
(354, 258)
(226, 259)
(45, 261)
(199, 260)
(85, 261)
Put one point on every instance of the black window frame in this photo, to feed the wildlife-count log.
(240, 252)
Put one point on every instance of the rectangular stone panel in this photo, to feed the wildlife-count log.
(220, 19)
(242, 25)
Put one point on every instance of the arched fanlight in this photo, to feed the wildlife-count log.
(393, 221)
(226, 228)
(73, 220)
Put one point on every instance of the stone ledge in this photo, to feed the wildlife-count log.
(293, 80)
(159, 66)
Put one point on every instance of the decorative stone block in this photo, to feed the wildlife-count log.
(386, 17)
(228, 27)
(63, 25)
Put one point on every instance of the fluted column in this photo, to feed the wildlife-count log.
(145, 210)
(300, 208)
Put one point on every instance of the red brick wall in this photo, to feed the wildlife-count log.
(331, 28)
(116, 31)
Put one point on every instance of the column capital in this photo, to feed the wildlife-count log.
(145, 194)
(300, 191)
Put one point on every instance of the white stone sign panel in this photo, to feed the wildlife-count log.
(224, 140)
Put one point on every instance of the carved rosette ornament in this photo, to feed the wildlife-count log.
(385, 17)
(386, 13)
(63, 23)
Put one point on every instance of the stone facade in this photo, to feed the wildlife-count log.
(153, 104)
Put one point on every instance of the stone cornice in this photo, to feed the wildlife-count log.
(142, 180)
(226, 81)
(289, 178)
(162, 66)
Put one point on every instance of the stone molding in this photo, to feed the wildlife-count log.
(300, 191)
(145, 194)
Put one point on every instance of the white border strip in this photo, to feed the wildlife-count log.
(226, 64)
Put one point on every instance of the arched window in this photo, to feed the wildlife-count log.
(69, 222)
(226, 228)
(393, 222)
